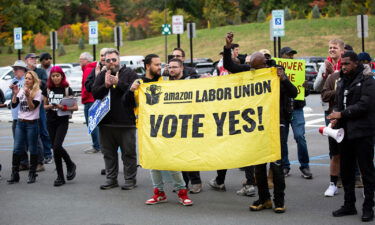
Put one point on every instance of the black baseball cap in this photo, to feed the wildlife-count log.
(45, 55)
(287, 50)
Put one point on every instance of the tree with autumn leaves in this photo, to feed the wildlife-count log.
(143, 18)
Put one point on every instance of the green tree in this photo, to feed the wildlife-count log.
(220, 12)
(371, 6)
(140, 33)
(345, 8)
(261, 17)
(157, 20)
(331, 11)
(315, 12)
(32, 46)
(131, 34)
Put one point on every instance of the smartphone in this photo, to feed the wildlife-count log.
(15, 82)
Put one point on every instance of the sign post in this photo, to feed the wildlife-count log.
(93, 36)
(53, 38)
(191, 34)
(278, 26)
(362, 29)
(166, 30)
(18, 40)
(118, 37)
(178, 27)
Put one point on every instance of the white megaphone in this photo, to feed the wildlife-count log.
(337, 134)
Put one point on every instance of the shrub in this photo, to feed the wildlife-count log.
(315, 12)
(61, 50)
(81, 44)
(261, 17)
(287, 14)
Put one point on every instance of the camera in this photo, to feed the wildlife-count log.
(271, 63)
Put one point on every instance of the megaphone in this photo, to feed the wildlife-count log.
(337, 134)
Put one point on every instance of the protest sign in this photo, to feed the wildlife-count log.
(295, 70)
(98, 110)
(208, 124)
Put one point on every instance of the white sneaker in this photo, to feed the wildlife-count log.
(332, 190)
(247, 190)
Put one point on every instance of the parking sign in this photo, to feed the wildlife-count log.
(278, 24)
(93, 32)
(17, 37)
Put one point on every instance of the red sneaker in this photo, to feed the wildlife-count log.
(184, 198)
(159, 197)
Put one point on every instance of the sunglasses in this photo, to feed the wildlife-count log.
(109, 60)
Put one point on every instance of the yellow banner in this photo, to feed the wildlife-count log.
(210, 123)
(295, 70)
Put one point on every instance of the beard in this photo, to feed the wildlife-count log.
(114, 69)
(155, 73)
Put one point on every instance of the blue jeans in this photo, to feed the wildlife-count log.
(43, 134)
(95, 132)
(26, 135)
(298, 126)
(158, 181)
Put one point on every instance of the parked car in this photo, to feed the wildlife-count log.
(196, 61)
(6, 76)
(317, 60)
(74, 77)
(134, 62)
(203, 68)
(311, 73)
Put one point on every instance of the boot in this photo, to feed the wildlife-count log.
(159, 197)
(70, 166)
(59, 169)
(59, 181)
(32, 171)
(15, 177)
(184, 198)
(71, 171)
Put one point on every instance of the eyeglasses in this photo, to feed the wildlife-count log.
(109, 60)
(173, 67)
(177, 56)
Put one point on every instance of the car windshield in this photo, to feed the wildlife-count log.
(310, 69)
(3, 70)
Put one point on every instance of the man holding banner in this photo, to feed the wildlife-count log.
(153, 70)
(117, 128)
(295, 70)
(287, 91)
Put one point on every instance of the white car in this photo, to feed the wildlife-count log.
(6, 76)
(74, 77)
(132, 60)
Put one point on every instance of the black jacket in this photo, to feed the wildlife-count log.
(287, 89)
(119, 115)
(358, 114)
